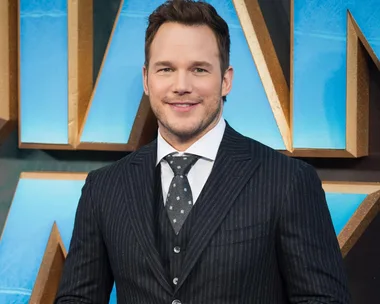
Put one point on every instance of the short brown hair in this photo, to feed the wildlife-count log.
(190, 12)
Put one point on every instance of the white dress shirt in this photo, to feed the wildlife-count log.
(206, 147)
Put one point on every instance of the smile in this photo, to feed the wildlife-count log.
(183, 107)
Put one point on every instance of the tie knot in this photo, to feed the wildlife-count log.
(181, 165)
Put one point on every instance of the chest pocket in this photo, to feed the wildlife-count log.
(235, 235)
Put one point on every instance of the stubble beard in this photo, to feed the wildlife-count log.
(188, 135)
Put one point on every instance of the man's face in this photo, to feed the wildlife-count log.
(184, 81)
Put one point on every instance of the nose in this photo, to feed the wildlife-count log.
(182, 83)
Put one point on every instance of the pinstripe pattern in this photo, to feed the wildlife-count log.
(262, 233)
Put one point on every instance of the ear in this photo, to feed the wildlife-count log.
(227, 81)
(145, 79)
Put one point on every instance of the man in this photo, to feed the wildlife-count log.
(202, 214)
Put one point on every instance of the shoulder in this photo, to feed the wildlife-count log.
(277, 165)
(285, 176)
(110, 174)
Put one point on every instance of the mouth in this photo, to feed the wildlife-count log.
(182, 106)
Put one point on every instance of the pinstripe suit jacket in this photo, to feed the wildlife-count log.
(264, 234)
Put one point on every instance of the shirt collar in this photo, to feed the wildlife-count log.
(206, 147)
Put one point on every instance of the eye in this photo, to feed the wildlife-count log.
(165, 70)
(199, 70)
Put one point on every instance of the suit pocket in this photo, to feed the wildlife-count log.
(239, 235)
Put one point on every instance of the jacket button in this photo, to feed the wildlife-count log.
(176, 302)
(177, 249)
(175, 281)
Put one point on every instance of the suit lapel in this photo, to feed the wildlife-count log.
(139, 177)
(234, 165)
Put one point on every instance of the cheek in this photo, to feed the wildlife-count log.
(158, 87)
(156, 94)
(208, 88)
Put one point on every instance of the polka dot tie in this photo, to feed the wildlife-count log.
(180, 199)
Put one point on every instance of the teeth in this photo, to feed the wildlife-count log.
(183, 105)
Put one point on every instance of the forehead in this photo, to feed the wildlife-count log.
(181, 41)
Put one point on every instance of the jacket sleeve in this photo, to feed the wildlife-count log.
(310, 258)
(87, 275)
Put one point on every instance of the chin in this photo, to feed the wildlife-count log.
(186, 132)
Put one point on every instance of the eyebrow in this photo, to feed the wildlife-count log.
(162, 63)
(193, 64)
(202, 64)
